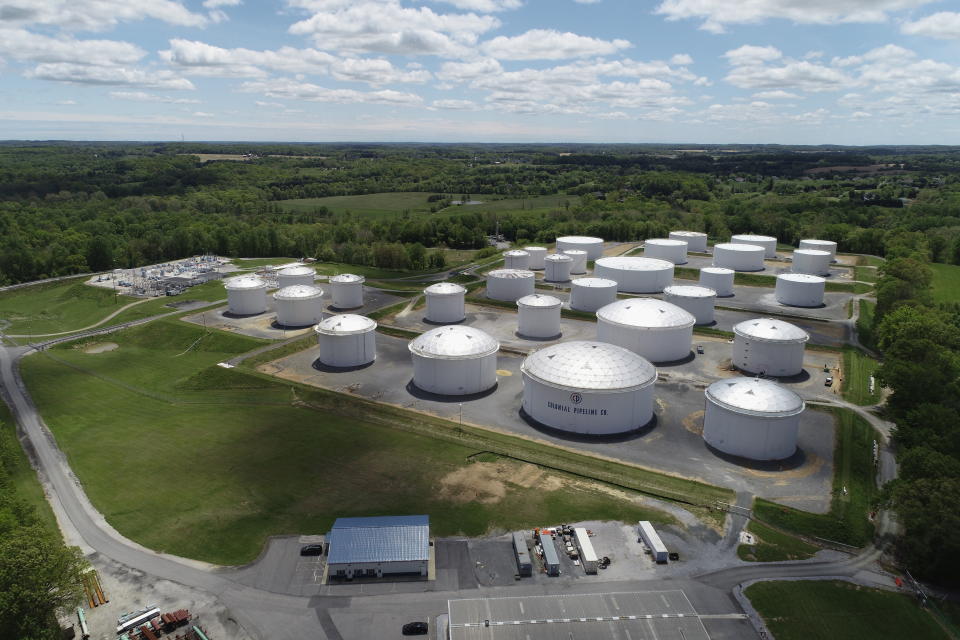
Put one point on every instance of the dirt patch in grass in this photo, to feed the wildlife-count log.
(100, 347)
(487, 482)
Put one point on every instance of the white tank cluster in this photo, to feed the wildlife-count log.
(537, 254)
(445, 302)
(769, 243)
(720, 279)
(589, 294)
(509, 285)
(516, 259)
(811, 261)
(297, 274)
(635, 275)
(769, 347)
(246, 295)
(737, 256)
(578, 266)
(593, 246)
(454, 361)
(538, 316)
(588, 387)
(698, 301)
(347, 340)
(668, 249)
(298, 305)
(696, 241)
(800, 290)
(657, 330)
(752, 418)
(821, 245)
(346, 291)
(557, 267)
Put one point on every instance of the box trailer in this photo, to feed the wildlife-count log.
(588, 557)
(551, 561)
(650, 538)
(522, 553)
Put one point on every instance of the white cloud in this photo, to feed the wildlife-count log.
(777, 94)
(295, 90)
(765, 68)
(216, 4)
(681, 59)
(587, 1)
(96, 15)
(202, 114)
(944, 25)
(749, 54)
(23, 45)
(121, 76)
(456, 105)
(485, 6)
(464, 71)
(143, 96)
(67, 103)
(548, 44)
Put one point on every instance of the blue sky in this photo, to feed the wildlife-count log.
(712, 71)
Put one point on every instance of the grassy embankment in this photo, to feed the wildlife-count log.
(26, 485)
(774, 546)
(865, 323)
(65, 305)
(829, 609)
(857, 369)
(946, 282)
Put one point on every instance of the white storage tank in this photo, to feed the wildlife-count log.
(347, 340)
(516, 259)
(297, 274)
(509, 284)
(696, 241)
(821, 245)
(445, 302)
(246, 295)
(752, 418)
(769, 347)
(588, 387)
(719, 279)
(538, 316)
(454, 361)
(589, 294)
(298, 305)
(347, 291)
(674, 251)
(557, 267)
(699, 301)
(635, 275)
(593, 246)
(657, 330)
(739, 257)
(537, 254)
(811, 261)
(769, 243)
(800, 290)
(579, 257)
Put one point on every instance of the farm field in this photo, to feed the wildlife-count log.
(65, 305)
(946, 282)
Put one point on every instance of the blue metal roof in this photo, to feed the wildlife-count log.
(379, 539)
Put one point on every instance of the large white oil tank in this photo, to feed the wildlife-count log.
(657, 330)
(347, 291)
(811, 261)
(298, 305)
(769, 243)
(538, 316)
(593, 246)
(739, 257)
(800, 290)
(821, 245)
(635, 275)
(246, 295)
(699, 301)
(588, 387)
(578, 266)
(516, 259)
(674, 251)
(537, 254)
(769, 347)
(445, 302)
(557, 267)
(510, 284)
(752, 418)
(297, 274)
(719, 279)
(455, 361)
(347, 340)
(589, 294)
(696, 240)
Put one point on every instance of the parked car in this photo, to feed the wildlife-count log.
(700, 348)
(828, 382)
(311, 550)
(414, 628)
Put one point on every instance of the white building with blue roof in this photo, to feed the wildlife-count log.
(378, 546)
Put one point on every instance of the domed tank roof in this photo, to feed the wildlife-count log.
(646, 313)
(558, 257)
(298, 292)
(516, 253)
(664, 242)
(690, 234)
(511, 273)
(589, 366)
(811, 252)
(770, 330)
(244, 282)
(347, 278)
(822, 243)
(444, 289)
(754, 396)
(534, 249)
(738, 246)
(599, 283)
(689, 291)
(750, 237)
(345, 324)
(573, 252)
(297, 270)
(539, 300)
(580, 239)
(806, 278)
(630, 263)
(454, 343)
(720, 271)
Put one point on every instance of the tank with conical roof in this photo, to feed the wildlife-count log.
(347, 291)
(298, 305)
(699, 301)
(296, 274)
(246, 295)
(455, 360)
(347, 340)
(589, 294)
(769, 346)
(510, 285)
(538, 316)
(752, 418)
(445, 302)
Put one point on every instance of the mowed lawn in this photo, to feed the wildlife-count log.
(826, 610)
(65, 305)
(202, 462)
(946, 282)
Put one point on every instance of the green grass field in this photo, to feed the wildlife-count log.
(946, 282)
(830, 609)
(857, 369)
(867, 261)
(774, 546)
(66, 305)
(865, 322)
(865, 274)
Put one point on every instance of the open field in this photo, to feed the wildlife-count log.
(65, 305)
(774, 546)
(857, 369)
(829, 609)
(946, 282)
(513, 204)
